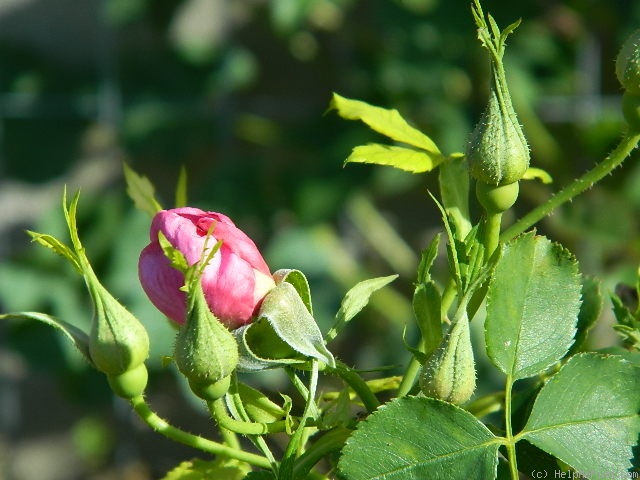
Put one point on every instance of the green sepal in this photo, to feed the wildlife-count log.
(257, 405)
(299, 282)
(284, 333)
(141, 191)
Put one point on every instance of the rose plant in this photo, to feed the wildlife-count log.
(563, 412)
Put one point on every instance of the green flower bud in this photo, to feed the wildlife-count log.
(118, 342)
(628, 64)
(449, 374)
(498, 153)
(205, 352)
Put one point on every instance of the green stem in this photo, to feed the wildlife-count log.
(330, 442)
(163, 427)
(286, 467)
(490, 232)
(355, 381)
(511, 444)
(601, 170)
(219, 411)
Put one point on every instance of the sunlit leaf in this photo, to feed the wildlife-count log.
(355, 300)
(385, 121)
(532, 306)
(408, 159)
(587, 415)
(141, 191)
(445, 443)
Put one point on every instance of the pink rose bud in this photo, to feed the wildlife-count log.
(235, 280)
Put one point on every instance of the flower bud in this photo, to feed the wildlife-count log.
(234, 281)
(205, 352)
(449, 373)
(118, 342)
(628, 64)
(498, 152)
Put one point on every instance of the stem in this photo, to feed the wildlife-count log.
(511, 445)
(490, 232)
(219, 412)
(287, 464)
(329, 442)
(601, 170)
(162, 426)
(355, 381)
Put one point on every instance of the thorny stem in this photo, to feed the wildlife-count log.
(163, 427)
(601, 170)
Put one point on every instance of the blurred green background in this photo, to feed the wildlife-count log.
(236, 91)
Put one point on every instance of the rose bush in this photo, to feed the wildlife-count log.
(235, 280)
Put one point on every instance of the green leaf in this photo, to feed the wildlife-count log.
(355, 300)
(427, 307)
(407, 159)
(587, 416)
(445, 442)
(141, 191)
(427, 257)
(197, 469)
(453, 179)
(57, 246)
(285, 333)
(78, 337)
(385, 121)
(532, 306)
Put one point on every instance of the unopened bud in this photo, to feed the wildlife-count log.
(118, 342)
(449, 374)
(206, 353)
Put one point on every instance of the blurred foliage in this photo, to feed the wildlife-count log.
(235, 90)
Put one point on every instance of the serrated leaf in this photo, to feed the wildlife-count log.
(385, 121)
(78, 337)
(141, 191)
(407, 159)
(532, 306)
(285, 333)
(355, 300)
(445, 442)
(587, 416)
(197, 469)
